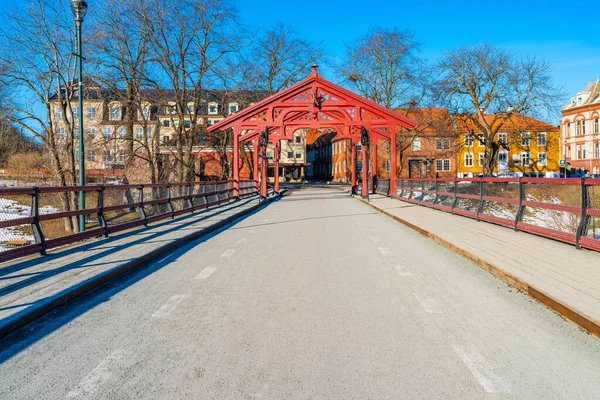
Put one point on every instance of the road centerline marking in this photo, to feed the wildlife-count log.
(228, 253)
(429, 304)
(99, 375)
(166, 309)
(402, 271)
(481, 369)
(385, 251)
(206, 272)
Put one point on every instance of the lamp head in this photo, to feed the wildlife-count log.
(79, 9)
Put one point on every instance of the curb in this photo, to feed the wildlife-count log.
(586, 322)
(58, 300)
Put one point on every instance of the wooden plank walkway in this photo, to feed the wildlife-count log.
(557, 274)
(29, 288)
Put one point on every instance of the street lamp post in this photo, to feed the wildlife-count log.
(79, 9)
(565, 156)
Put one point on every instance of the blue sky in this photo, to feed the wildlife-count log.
(569, 39)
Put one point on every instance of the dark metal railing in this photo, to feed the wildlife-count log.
(35, 219)
(566, 209)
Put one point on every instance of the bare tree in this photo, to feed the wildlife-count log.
(37, 63)
(384, 67)
(188, 44)
(485, 86)
(122, 51)
(277, 59)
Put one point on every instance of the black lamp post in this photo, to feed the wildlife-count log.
(79, 9)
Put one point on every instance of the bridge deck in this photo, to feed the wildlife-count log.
(557, 272)
(32, 283)
(316, 296)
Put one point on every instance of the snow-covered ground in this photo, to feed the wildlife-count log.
(10, 209)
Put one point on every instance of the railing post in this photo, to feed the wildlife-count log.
(481, 202)
(141, 210)
(189, 202)
(521, 210)
(435, 199)
(410, 190)
(422, 190)
(455, 201)
(38, 235)
(170, 202)
(585, 219)
(101, 217)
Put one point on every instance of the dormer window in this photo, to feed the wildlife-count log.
(212, 108)
(579, 100)
(233, 108)
(145, 112)
(115, 113)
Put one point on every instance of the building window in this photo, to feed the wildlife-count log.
(298, 154)
(106, 156)
(149, 133)
(75, 111)
(191, 109)
(91, 113)
(579, 100)
(440, 144)
(166, 123)
(298, 139)
(139, 132)
(542, 160)
(568, 130)
(468, 141)
(212, 108)
(525, 158)
(442, 165)
(90, 155)
(597, 125)
(584, 151)
(122, 132)
(525, 139)
(583, 125)
(416, 144)
(58, 112)
(468, 159)
(290, 154)
(387, 165)
(145, 112)
(233, 108)
(597, 150)
(541, 139)
(502, 138)
(91, 132)
(481, 139)
(595, 171)
(480, 158)
(358, 147)
(106, 132)
(122, 156)
(115, 113)
(358, 166)
(578, 128)
(208, 122)
(60, 133)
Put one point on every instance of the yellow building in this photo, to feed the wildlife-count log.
(527, 147)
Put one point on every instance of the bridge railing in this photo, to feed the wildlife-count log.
(383, 187)
(566, 209)
(35, 219)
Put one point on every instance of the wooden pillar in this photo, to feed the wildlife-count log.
(236, 164)
(365, 172)
(393, 168)
(255, 164)
(276, 165)
(263, 172)
(353, 164)
(374, 163)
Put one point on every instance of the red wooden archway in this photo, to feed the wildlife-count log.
(314, 103)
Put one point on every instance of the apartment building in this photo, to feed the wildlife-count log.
(580, 130)
(528, 147)
(292, 158)
(153, 123)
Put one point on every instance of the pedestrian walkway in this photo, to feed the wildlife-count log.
(557, 274)
(30, 288)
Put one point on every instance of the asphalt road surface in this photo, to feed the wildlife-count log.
(316, 296)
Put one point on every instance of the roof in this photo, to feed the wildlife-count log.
(314, 79)
(430, 120)
(588, 96)
(516, 122)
